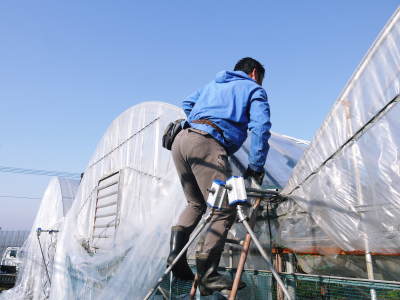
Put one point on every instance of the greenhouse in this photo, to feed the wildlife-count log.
(115, 237)
(37, 253)
(333, 232)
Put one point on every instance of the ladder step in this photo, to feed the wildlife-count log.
(233, 241)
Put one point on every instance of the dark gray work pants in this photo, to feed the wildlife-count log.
(199, 159)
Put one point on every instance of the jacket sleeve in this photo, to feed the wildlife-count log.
(189, 102)
(259, 125)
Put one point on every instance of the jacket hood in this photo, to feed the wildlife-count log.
(227, 76)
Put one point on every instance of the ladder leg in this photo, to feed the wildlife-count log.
(194, 287)
(265, 256)
(240, 268)
(243, 257)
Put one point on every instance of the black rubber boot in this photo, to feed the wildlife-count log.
(179, 238)
(209, 278)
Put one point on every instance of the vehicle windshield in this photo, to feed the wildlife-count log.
(13, 253)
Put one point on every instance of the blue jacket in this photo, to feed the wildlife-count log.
(235, 103)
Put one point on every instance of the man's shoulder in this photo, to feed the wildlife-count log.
(247, 88)
(248, 83)
(259, 93)
(253, 89)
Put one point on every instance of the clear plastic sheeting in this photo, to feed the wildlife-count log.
(385, 267)
(283, 155)
(115, 240)
(348, 180)
(32, 280)
(294, 228)
(116, 236)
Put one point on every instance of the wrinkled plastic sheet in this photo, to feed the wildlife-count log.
(32, 281)
(349, 200)
(127, 263)
(345, 191)
(385, 267)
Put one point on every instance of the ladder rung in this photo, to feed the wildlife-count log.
(234, 242)
(107, 195)
(107, 204)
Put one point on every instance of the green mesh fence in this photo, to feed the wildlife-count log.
(261, 286)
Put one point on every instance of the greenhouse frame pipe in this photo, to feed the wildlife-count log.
(360, 197)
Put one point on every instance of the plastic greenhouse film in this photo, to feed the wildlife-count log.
(348, 180)
(32, 280)
(116, 235)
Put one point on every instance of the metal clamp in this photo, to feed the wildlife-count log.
(49, 231)
(217, 194)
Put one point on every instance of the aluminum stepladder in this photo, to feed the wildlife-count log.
(215, 201)
(237, 195)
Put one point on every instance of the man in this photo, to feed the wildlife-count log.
(218, 117)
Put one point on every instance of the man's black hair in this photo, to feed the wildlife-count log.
(248, 64)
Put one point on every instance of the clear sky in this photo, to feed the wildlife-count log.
(68, 68)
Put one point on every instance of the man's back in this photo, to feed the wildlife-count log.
(233, 102)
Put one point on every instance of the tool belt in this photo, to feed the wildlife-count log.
(175, 127)
(208, 122)
(170, 133)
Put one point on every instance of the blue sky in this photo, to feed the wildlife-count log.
(68, 68)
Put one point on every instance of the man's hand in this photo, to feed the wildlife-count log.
(257, 176)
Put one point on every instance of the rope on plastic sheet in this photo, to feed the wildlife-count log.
(95, 188)
(360, 132)
(87, 199)
(145, 173)
(119, 145)
(141, 172)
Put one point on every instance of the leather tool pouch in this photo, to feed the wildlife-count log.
(171, 131)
